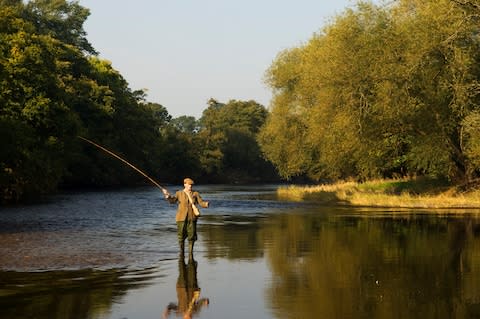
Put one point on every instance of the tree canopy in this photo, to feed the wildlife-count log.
(384, 90)
(228, 150)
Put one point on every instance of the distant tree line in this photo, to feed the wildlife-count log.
(53, 88)
(382, 91)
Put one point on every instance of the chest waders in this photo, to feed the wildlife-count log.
(187, 230)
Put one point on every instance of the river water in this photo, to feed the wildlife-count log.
(114, 255)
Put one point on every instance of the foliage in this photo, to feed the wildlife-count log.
(227, 146)
(34, 104)
(52, 88)
(61, 20)
(471, 140)
(382, 91)
(186, 124)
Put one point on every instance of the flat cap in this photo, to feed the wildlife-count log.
(188, 181)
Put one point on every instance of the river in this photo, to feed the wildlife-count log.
(114, 255)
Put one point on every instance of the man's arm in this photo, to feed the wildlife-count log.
(171, 199)
(200, 201)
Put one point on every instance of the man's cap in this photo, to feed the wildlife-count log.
(188, 181)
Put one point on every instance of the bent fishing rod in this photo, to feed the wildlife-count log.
(164, 190)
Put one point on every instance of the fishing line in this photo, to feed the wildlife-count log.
(124, 161)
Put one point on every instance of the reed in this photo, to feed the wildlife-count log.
(404, 193)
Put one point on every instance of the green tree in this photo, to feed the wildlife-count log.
(227, 144)
(34, 102)
(186, 124)
(381, 91)
(60, 19)
(123, 121)
(53, 88)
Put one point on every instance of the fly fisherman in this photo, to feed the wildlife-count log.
(187, 214)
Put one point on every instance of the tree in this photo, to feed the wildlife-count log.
(186, 124)
(60, 19)
(53, 88)
(34, 103)
(382, 91)
(228, 149)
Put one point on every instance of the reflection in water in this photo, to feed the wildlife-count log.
(188, 291)
(285, 260)
(234, 238)
(67, 294)
(329, 266)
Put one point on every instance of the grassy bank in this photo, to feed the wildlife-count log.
(411, 193)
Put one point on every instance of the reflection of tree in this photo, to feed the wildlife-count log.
(65, 294)
(238, 238)
(338, 267)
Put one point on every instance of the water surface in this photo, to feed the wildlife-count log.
(113, 254)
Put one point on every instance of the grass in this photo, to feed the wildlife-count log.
(401, 193)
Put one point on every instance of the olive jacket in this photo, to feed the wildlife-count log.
(184, 207)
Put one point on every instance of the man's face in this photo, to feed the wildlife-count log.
(188, 187)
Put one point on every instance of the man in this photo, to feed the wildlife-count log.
(187, 213)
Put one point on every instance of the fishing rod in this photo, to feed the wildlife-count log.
(164, 190)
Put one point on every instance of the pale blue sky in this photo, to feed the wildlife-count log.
(184, 52)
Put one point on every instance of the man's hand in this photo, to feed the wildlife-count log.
(165, 193)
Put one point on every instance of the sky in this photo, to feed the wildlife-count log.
(184, 52)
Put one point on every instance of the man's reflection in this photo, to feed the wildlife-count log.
(188, 292)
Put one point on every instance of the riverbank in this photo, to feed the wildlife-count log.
(404, 193)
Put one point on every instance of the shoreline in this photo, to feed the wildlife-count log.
(405, 194)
